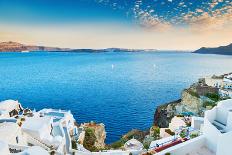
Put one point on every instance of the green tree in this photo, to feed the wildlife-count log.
(89, 140)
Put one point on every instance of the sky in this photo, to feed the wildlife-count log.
(135, 24)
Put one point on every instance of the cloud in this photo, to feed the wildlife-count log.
(208, 21)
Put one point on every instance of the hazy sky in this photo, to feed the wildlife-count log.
(149, 24)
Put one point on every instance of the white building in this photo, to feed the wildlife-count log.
(9, 108)
(134, 145)
(224, 82)
(63, 125)
(13, 141)
(217, 134)
(34, 150)
(4, 149)
(225, 92)
(227, 82)
(41, 132)
(11, 134)
(176, 123)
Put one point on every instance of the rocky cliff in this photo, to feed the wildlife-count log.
(17, 47)
(95, 135)
(193, 101)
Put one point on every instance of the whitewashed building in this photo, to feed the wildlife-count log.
(9, 108)
(227, 82)
(11, 133)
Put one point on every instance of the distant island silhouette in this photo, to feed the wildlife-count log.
(223, 50)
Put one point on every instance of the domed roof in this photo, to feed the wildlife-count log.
(133, 144)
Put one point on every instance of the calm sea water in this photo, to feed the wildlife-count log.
(121, 90)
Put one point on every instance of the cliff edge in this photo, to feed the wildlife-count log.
(193, 102)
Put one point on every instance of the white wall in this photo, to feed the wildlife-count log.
(197, 122)
(212, 135)
(211, 114)
(110, 152)
(185, 148)
(225, 144)
(222, 115)
(229, 122)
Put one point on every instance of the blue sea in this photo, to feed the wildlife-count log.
(121, 89)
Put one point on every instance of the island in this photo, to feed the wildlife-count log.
(223, 50)
(11, 46)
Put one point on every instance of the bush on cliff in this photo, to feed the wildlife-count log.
(193, 93)
(207, 103)
(117, 144)
(89, 140)
(155, 132)
(213, 96)
(169, 132)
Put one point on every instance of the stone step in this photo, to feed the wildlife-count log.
(220, 126)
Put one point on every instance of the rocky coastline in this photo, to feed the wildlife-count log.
(194, 100)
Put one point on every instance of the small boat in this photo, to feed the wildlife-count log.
(112, 66)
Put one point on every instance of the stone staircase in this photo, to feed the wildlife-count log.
(220, 126)
(38, 142)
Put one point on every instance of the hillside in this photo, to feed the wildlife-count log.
(224, 50)
(16, 47)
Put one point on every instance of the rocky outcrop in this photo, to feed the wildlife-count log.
(165, 113)
(94, 137)
(191, 102)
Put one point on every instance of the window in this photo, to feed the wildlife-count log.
(17, 139)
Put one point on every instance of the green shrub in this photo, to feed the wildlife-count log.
(156, 132)
(193, 135)
(74, 144)
(207, 103)
(117, 144)
(167, 153)
(170, 132)
(193, 93)
(89, 140)
(183, 134)
(213, 96)
(146, 146)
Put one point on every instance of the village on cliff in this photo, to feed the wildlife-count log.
(200, 123)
